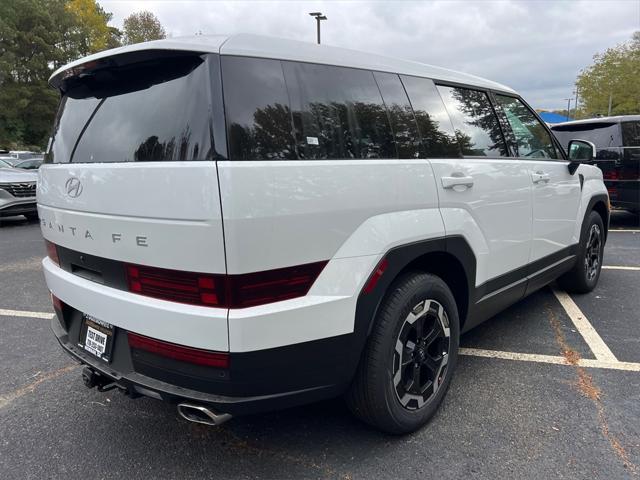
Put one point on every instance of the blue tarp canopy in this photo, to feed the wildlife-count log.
(550, 117)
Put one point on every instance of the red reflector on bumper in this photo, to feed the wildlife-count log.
(181, 353)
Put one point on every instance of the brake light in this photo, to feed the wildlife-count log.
(173, 285)
(610, 175)
(377, 274)
(181, 353)
(223, 291)
(52, 252)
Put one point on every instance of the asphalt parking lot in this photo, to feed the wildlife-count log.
(550, 388)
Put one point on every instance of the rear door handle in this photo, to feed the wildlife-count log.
(455, 180)
(539, 177)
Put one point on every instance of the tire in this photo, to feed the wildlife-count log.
(382, 393)
(584, 275)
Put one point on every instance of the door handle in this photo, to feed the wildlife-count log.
(539, 177)
(456, 180)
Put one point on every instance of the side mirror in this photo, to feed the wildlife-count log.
(580, 151)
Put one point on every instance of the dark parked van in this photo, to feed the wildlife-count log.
(617, 142)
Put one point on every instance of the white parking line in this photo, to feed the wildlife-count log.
(554, 360)
(595, 342)
(23, 313)
(618, 230)
(619, 267)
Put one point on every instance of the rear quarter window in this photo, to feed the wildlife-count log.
(257, 109)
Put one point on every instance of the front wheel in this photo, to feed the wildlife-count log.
(410, 356)
(584, 275)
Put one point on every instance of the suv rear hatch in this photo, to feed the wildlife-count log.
(130, 177)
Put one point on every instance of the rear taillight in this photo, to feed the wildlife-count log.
(52, 252)
(177, 286)
(223, 291)
(181, 353)
(610, 175)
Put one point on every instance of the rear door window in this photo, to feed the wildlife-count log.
(338, 113)
(531, 138)
(153, 110)
(476, 124)
(438, 138)
(257, 110)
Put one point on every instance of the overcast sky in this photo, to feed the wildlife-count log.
(536, 47)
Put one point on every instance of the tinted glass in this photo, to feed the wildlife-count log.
(476, 124)
(157, 110)
(601, 134)
(338, 113)
(631, 134)
(403, 122)
(436, 131)
(257, 109)
(531, 138)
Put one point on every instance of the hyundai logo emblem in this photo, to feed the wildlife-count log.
(73, 187)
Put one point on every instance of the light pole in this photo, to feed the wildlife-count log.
(568, 108)
(319, 17)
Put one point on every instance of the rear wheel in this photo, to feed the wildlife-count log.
(410, 356)
(584, 275)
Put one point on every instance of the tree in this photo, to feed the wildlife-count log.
(142, 27)
(90, 33)
(613, 75)
(37, 37)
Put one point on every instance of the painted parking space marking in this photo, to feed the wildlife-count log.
(620, 267)
(23, 313)
(618, 230)
(595, 342)
(552, 359)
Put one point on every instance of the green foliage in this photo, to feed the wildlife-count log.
(615, 73)
(142, 27)
(37, 37)
(32, 43)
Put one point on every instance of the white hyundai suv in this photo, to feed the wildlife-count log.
(237, 224)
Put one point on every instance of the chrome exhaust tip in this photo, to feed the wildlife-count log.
(201, 414)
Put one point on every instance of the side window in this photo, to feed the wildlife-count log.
(436, 131)
(338, 113)
(631, 134)
(403, 123)
(531, 138)
(257, 110)
(476, 124)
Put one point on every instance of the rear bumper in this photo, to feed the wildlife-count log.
(136, 384)
(123, 373)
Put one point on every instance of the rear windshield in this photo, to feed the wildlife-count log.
(601, 134)
(150, 111)
(631, 134)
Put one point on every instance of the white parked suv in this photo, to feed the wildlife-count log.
(237, 224)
